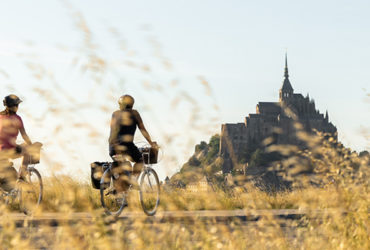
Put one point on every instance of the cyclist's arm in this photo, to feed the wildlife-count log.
(113, 130)
(142, 128)
(25, 136)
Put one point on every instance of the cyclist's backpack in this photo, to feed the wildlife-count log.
(97, 170)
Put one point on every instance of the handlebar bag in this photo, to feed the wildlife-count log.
(152, 153)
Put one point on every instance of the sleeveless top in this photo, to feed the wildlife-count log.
(127, 124)
(9, 129)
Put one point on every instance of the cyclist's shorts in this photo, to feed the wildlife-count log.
(126, 148)
(11, 153)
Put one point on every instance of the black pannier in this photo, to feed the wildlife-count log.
(97, 170)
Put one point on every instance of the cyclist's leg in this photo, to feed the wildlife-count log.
(8, 174)
(138, 166)
(21, 150)
(138, 159)
(121, 172)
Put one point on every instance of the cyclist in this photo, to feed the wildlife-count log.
(122, 131)
(10, 125)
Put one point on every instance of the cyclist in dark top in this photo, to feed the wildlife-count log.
(10, 125)
(122, 131)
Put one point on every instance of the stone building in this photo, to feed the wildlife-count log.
(274, 120)
(203, 185)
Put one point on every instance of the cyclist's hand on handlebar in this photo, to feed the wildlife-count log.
(154, 144)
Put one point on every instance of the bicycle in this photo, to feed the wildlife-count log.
(28, 192)
(114, 202)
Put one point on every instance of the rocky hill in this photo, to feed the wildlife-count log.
(273, 168)
(204, 162)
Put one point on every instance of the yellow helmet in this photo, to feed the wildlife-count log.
(126, 101)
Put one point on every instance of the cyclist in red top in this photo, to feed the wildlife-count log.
(10, 126)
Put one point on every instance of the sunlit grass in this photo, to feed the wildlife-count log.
(340, 194)
(336, 215)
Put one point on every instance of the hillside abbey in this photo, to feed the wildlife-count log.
(274, 120)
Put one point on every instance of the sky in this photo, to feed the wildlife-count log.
(191, 66)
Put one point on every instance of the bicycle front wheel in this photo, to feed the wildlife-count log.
(30, 191)
(149, 191)
(112, 201)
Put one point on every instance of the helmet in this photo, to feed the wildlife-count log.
(11, 100)
(126, 101)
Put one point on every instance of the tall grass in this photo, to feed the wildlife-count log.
(338, 185)
(337, 218)
(331, 229)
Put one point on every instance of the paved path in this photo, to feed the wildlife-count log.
(56, 219)
(41, 229)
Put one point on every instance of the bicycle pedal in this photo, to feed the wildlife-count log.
(30, 191)
(122, 200)
(112, 191)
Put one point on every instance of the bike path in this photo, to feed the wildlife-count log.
(212, 216)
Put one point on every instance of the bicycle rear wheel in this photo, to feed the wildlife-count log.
(149, 191)
(30, 191)
(112, 201)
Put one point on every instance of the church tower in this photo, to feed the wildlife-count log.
(286, 90)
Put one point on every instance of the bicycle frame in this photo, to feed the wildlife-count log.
(145, 155)
(145, 171)
(16, 191)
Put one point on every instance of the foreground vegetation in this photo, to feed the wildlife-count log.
(335, 230)
(328, 181)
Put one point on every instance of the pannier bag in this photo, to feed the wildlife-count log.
(97, 170)
(153, 155)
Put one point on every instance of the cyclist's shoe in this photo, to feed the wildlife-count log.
(121, 199)
(22, 181)
(110, 191)
(13, 193)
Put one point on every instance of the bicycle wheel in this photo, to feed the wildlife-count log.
(30, 191)
(112, 201)
(149, 191)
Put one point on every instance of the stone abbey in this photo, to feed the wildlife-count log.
(272, 120)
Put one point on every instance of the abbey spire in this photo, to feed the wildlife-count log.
(286, 74)
(286, 90)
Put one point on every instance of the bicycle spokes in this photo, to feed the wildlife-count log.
(149, 182)
(112, 200)
(149, 192)
(30, 191)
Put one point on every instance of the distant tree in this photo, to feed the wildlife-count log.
(261, 158)
(256, 158)
(213, 148)
(201, 146)
(364, 153)
(245, 154)
(193, 161)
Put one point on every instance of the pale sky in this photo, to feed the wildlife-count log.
(191, 65)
